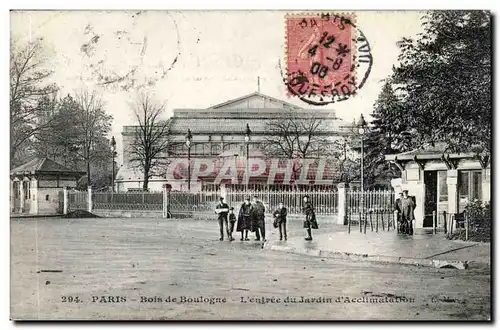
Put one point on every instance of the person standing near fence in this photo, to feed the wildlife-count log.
(407, 210)
(244, 219)
(222, 209)
(259, 219)
(280, 220)
(310, 221)
(397, 210)
(232, 220)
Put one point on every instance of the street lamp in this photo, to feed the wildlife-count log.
(113, 148)
(361, 130)
(247, 140)
(189, 138)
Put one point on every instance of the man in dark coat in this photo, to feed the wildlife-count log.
(407, 210)
(397, 209)
(245, 219)
(310, 221)
(259, 219)
(222, 209)
(280, 219)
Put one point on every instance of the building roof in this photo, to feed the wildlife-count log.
(43, 165)
(254, 95)
(428, 151)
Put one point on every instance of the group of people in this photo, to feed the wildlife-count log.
(405, 206)
(252, 218)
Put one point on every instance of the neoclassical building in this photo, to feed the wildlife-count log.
(219, 135)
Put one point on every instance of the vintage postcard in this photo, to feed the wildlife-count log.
(250, 165)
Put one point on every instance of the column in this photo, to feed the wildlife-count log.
(21, 196)
(452, 181)
(65, 200)
(414, 183)
(486, 185)
(12, 196)
(34, 196)
(89, 198)
(342, 203)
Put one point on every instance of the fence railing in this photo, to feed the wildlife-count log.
(324, 201)
(142, 200)
(381, 201)
(181, 201)
(77, 200)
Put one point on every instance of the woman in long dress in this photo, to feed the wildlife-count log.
(310, 221)
(245, 219)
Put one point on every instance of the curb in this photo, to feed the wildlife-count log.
(29, 216)
(435, 263)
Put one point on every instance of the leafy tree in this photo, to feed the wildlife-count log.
(386, 134)
(92, 125)
(444, 80)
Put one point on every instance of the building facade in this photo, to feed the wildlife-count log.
(37, 186)
(442, 181)
(219, 137)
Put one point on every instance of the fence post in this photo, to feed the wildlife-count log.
(342, 203)
(395, 220)
(89, 198)
(166, 199)
(65, 200)
(434, 221)
(445, 224)
(466, 227)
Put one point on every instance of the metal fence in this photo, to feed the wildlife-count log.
(374, 200)
(182, 202)
(142, 200)
(324, 201)
(77, 200)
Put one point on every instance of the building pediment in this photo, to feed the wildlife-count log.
(254, 101)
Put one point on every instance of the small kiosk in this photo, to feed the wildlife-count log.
(37, 186)
(441, 181)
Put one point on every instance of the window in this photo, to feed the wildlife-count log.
(26, 190)
(443, 187)
(469, 187)
(46, 197)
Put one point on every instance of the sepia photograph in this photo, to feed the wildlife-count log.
(250, 165)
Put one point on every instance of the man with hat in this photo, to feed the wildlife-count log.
(407, 210)
(222, 209)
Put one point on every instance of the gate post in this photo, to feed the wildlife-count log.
(89, 198)
(166, 200)
(342, 203)
(65, 200)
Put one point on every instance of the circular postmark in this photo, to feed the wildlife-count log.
(328, 59)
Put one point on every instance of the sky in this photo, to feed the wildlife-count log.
(191, 59)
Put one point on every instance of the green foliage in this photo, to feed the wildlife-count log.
(479, 214)
(444, 80)
(385, 136)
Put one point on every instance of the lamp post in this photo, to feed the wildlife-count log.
(113, 148)
(247, 140)
(361, 130)
(189, 138)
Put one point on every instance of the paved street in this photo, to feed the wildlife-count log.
(107, 265)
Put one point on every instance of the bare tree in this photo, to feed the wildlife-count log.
(152, 137)
(27, 86)
(301, 134)
(92, 123)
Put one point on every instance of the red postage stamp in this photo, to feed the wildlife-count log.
(320, 56)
